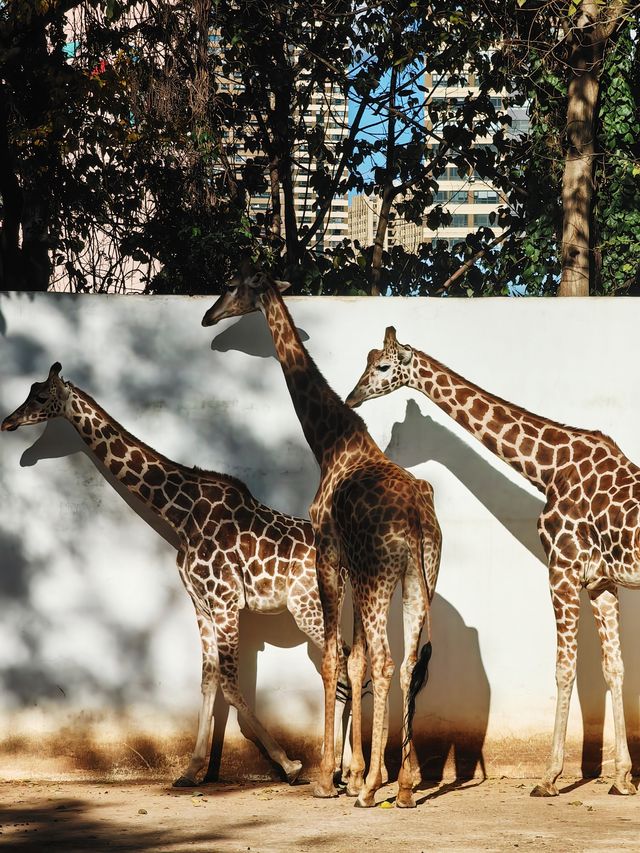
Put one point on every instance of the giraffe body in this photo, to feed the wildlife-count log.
(234, 552)
(589, 527)
(368, 515)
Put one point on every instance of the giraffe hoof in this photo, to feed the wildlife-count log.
(185, 782)
(544, 791)
(405, 800)
(340, 779)
(321, 792)
(292, 775)
(625, 789)
(364, 802)
(355, 784)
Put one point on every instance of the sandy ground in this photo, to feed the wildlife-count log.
(493, 815)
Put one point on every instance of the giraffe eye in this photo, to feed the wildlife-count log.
(232, 289)
(383, 367)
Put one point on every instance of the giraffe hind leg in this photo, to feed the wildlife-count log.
(227, 638)
(374, 613)
(413, 675)
(604, 604)
(189, 779)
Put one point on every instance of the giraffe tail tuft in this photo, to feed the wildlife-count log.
(419, 678)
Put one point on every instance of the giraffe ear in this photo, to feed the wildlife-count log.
(282, 285)
(404, 353)
(389, 336)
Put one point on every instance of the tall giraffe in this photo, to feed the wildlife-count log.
(234, 552)
(589, 527)
(368, 515)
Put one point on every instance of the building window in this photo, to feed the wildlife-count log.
(485, 197)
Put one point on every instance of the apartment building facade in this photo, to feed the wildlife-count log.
(464, 194)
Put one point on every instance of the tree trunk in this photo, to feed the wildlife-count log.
(11, 194)
(584, 63)
(378, 243)
(389, 191)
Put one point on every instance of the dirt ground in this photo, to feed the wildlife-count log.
(497, 814)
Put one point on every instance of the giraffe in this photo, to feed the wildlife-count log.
(234, 552)
(369, 515)
(589, 527)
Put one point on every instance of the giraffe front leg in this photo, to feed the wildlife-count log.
(342, 726)
(356, 664)
(304, 604)
(209, 684)
(384, 773)
(604, 604)
(566, 604)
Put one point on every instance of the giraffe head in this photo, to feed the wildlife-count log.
(243, 294)
(387, 369)
(46, 400)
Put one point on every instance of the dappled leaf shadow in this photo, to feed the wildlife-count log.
(420, 439)
(63, 515)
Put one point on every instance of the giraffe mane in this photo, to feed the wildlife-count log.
(184, 469)
(514, 407)
(348, 413)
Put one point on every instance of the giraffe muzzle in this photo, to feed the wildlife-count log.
(354, 399)
(8, 425)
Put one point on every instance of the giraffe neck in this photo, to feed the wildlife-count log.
(525, 441)
(138, 467)
(325, 419)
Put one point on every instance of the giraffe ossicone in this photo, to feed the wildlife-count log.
(234, 552)
(375, 518)
(589, 527)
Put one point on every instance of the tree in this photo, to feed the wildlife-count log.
(583, 144)
(134, 136)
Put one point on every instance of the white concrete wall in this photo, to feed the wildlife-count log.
(96, 633)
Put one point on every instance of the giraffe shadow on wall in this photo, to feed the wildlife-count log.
(249, 335)
(59, 440)
(420, 439)
(457, 690)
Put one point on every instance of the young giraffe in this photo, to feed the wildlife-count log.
(589, 527)
(234, 551)
(368, 515)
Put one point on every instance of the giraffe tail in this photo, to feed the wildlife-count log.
(419, 678)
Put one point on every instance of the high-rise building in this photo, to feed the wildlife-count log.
(364, 211)
(464, 194)
(328, 111)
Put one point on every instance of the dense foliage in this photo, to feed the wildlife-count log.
(133, 135)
